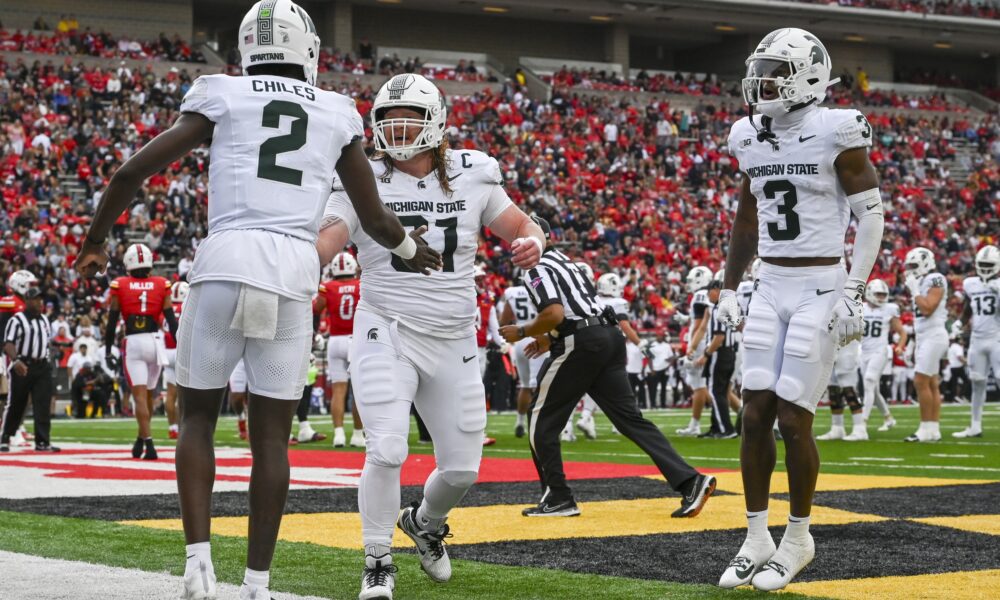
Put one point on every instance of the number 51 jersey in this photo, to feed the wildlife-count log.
(274, 150)
(442, 304)
(802, 209)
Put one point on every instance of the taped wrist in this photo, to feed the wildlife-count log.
(407, 249)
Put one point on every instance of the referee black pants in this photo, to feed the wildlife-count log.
(592, 362)
(37, 384)
(720, 374)
(657, 382)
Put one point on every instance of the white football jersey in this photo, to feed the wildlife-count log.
(698, 299)
(936, 320)
(877, 328)
(442, 304)
(743, 293)
(985, 309)
(273, 155)
(633, 358)
(802, 210)
(516, 296)
(619, 305)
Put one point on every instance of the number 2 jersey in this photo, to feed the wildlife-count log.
(341, 299)
(802, 210)
(442, 304)
(274, 150)
(985, 310)
(877, 328)
(141, 302)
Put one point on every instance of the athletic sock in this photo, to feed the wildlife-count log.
(797, 530)
(380, 552)
(521, 419)
(934, 427)
(858, 420)
(694, 424)
(757, 525)
(838, 420)
(338, 431)
(201, 552)
(173, 428)
(257, 578)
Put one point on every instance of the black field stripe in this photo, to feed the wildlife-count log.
(857, 550)
(915, 502)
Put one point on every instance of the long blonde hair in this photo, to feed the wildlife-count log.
(439, 163)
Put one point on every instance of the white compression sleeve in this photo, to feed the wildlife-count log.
(867, 207)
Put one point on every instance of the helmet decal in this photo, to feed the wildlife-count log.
(265, 22)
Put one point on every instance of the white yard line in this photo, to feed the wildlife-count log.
(878, 458)
(958, 455)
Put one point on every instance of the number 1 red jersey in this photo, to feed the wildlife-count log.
(341, 300)
(141, 297)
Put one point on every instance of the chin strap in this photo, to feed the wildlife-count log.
(764, 134)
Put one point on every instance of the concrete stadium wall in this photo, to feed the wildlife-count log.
(141, 19)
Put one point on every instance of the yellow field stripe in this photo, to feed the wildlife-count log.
(954, 586)
(834, 482)
(989, 524)
(475, 525)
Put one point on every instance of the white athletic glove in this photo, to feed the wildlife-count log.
(729, 309)
(912, 283)
(847, 320)
(994, 284)
(681, 318)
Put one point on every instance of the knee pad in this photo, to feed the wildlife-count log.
(472, 404)
(374, 378)
(387, 451)
(790, 388)
(852, 399)
(758, 379)
(801, 339)
(836, 397)
(460, 479)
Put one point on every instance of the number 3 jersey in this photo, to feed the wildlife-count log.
(802, 210)
(985, 310)
(442, 304)
(878, 327)
(274, 150)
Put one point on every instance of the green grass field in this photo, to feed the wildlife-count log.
(304, 568)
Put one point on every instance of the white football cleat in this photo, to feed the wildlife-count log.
(430, 545)
(199, 581)
(749, 560)
(858, 434)
(888, 424)
(254, 592)
(358, 438)
(968, 432)
(836, 433)
(786, 563)
(339, 437)
(567, 434)
(587, 426)
(689, 431)
(378, 580)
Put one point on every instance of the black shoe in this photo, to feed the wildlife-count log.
(553, 508)
(47, 448)
(137, 448)
(724, 436)
(695, 499)
(519, 431)
(150, 451)
(5, 446)
(708, 434)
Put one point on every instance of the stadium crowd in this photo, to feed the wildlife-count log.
(979, 9)
(69, 40)
(644, 189)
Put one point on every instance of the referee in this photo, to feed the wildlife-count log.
(26, 343)
(587, 357)
(719, 362)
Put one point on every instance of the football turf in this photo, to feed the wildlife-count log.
(870, 527)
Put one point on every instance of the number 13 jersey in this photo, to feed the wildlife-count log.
(273, 156)
(442, 304)
(802, 210)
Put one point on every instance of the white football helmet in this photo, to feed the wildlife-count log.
(416, 92)
(877, 292)
(796, 63)
(609, 284)
(586, 270)
(343, 265)
(698, 278)
(920, 262)
(179, 292)
(755, 269)
(20, 281)
(720, 275)
(279, 32)
(988, 262)
(138, 256)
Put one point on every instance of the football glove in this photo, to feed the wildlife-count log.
(994, 285)
(912, 283)
(847, 320)
(729, 309)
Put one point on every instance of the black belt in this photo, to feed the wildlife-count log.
(570, 327)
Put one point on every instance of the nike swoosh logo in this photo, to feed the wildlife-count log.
(871, 206)
(548, 509)
(822, 292)
(192, 556)
(466, 359)
(807, 138)
(454, 177)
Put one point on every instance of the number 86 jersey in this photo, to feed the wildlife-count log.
(274, 152)
(442, 304)
(802, 210)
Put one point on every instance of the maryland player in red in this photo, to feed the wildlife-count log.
(338, 296)
(487, 329)
(178, 293)
(143, 301)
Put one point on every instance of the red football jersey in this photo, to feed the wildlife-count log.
(484, 304)
(341, 300)
(168, 338)
(11, 304)
(141, 296)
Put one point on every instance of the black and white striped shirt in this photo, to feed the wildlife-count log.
(30, 335)
(556, 280)
(717, 327)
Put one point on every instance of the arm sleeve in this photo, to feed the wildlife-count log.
(200, 100)
(496, 203)
(867, 207)
(339, 207)
(699, 311)
(541, 288)
(493, 328)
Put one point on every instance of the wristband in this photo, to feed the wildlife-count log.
(537, 242)
(520, 332)
(91, 240)
(406, 249)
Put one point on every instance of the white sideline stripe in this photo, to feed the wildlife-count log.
(958, 455)
(39, 578)
(879, 458)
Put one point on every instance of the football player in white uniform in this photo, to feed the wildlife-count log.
(414, 339)
(881, 317)
(276, 142)
(699, 312)
(928, 290)
(982, 309)
(518, 309)
(805, 171)
(178, 293)
(842, 391)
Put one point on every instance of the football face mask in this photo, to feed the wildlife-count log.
(768, 85)
(403, 137)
